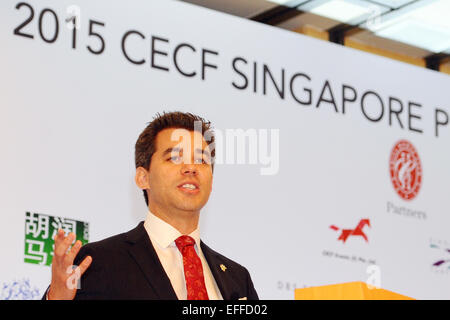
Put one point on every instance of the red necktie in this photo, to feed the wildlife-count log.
(193, 271)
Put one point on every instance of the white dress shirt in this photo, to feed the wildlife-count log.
(163, 236)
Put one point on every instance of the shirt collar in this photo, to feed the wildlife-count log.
(165, 234)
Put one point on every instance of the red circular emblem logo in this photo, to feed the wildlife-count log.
(405, 169)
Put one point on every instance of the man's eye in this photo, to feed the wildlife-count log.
(200, 161)
(175, 158)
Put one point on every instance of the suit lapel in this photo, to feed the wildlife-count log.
(219, 275)
(145, 256)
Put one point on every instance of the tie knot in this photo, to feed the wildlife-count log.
(183, 242)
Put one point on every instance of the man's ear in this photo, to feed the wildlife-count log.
(141, 178)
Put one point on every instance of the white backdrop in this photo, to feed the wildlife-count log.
(69, 120)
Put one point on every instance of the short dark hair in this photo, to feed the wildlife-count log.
(146, 143)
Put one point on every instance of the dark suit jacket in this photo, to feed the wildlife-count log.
(126, 266)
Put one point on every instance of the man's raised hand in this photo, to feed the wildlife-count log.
(65, 275)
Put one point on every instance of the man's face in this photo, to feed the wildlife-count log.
(180, 174)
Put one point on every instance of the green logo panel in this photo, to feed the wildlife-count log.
(40, 231)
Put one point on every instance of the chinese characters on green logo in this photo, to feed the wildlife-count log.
(40, 231)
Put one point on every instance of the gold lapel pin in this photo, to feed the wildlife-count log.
(223, 267)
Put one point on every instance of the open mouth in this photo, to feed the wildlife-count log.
(189, 187)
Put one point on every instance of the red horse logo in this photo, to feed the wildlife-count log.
(358, 231)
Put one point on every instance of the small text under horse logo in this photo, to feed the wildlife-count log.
(358, 231)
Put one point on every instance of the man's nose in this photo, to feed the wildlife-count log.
(189, 169)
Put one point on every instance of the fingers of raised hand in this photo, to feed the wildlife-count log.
(59, 236)
(62, 244)
(74, 273)
(70, 256)
(84, 264)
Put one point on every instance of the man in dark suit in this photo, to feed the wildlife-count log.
(163, 257)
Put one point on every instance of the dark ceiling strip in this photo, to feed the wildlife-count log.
(337, 33)
(433, 61)
(276, 15)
